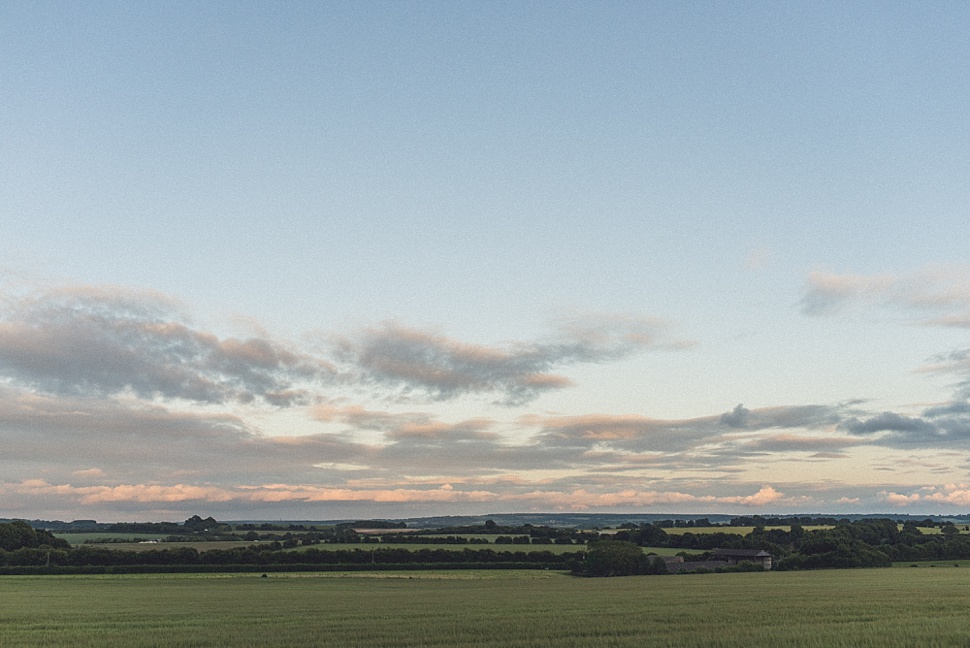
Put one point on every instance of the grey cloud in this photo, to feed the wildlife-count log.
(100, 343)
(625, 441)
(417, 427)
(43, 434)
(794, 416)
(955, 363)
(888, 422)
(127, 441)
(627, 433)
(416, 361)
(104, 342)
(736, 418)
(935, 427)
(948, 409)
(641, 434)
(790, 442)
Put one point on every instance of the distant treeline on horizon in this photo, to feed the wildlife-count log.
(570, 520)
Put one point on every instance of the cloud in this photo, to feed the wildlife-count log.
(107, 342)
(900, 500)
(624, 433)
(763, 497)
(957, 495)
(84, 341)
(736, 418)
(114, 400)
(420, 426)
(936, 426)
(789, 416)
(419, 361)
(951, 494)
(154, 458)
(889, 422)
(939, 295)
(60, 435)
(194, 495)
(94, 473)
(711, 443)
(828, 293)
(800, 443)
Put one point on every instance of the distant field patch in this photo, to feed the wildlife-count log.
(552, 548)
(326, 546)
(740, 530)
(82, 538)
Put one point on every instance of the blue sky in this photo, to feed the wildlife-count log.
(385, 259)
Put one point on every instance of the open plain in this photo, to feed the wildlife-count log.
(874, 607)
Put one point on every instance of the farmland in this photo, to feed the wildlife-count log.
(213, 545)
(886, 608)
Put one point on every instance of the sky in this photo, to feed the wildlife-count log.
(329, 260)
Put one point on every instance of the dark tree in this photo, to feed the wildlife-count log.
(613, 558)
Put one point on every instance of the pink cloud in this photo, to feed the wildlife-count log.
(447, 492)
(901, 500)
(945, 290)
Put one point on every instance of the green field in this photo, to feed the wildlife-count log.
(745, 530)
(82, 538)
(739, 530)
(230, 544)
(552, 548)
(885, 608)
(158, 546)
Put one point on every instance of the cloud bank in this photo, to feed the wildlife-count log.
(115, 403)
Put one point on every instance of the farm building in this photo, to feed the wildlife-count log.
(720, 558)
(735, 556)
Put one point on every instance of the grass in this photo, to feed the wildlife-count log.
(81, 538)
(933, 563)
(888, 608)
(552, 548)
(230, 544)
(739, 530)
(199, 546)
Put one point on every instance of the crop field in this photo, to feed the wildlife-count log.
(82, 538)
(158, 546)
(739, 530)
(885, 608)
(552, 548)
(230, 544)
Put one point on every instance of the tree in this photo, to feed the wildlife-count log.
(18, 535)
(613, 558)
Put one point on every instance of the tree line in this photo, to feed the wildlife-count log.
(860, 543)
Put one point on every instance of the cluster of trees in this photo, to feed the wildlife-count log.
(20, 535)
(618, 558)
(861, 543)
